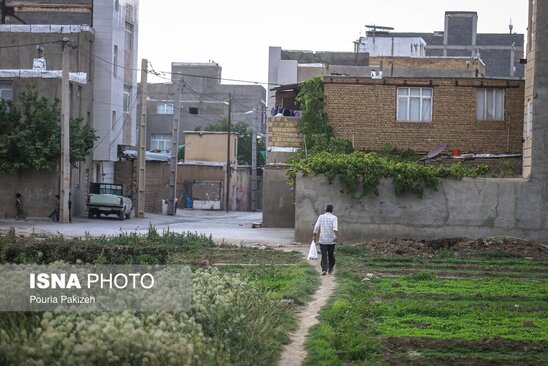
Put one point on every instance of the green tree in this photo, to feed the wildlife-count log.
(244, 139)
(30, 134)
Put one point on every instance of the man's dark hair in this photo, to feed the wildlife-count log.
(329, 207)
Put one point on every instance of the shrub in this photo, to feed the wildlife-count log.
(231, 323)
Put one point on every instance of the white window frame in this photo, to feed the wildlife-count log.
(127, 98)
(160, 142)
(6, 90)
(490, 112)
(529, 119)
(404, 95)
(164, 108)
(115, 61)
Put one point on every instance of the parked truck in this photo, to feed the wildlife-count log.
(108, 199)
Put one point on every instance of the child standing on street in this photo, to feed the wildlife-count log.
(18, 206)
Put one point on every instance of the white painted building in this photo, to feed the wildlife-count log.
(392, 46)
(115, 82)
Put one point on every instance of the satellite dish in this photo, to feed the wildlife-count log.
(434, 152)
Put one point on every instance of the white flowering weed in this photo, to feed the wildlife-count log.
(231, 323)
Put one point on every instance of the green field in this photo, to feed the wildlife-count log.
(439, 311)
(236, 317)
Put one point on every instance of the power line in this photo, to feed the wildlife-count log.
(31, 44)
(151, 71)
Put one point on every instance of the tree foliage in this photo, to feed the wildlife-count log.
(30, 134)
(244, 132)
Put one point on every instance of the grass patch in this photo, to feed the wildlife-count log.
(408, 313)
(296, 282)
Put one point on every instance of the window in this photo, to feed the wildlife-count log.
(414, 104)
(116, 5)
(160, 142)
(164, 108)
(127, 96)
(129, 36)
(490, 105)
(115, 62)
(130, 13)
(193, 110)
(113, 119)
(529, 120)
(6, 90)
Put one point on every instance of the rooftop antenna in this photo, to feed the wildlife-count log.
(375, 27)
(511, 26)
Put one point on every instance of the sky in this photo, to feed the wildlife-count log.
(236, 34)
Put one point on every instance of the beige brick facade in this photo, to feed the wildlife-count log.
(284, 132)
(364, 111)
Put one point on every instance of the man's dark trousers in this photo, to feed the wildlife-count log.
(328, 252)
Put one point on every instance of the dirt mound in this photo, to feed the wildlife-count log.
(503, 247)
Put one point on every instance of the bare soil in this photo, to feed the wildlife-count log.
(294, 353)
(459, 247)
(403, 351)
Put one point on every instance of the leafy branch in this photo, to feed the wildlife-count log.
(30, 134)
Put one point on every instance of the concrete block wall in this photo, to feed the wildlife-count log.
(38, 189)
(470, 208)
(278, 200)
(364, 110)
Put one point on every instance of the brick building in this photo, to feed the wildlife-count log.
(472, 115)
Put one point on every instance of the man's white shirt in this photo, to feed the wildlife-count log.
(326, 224)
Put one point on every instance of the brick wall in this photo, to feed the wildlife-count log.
(364, 110)
(283, 132)
(466, 65)
(156, 182)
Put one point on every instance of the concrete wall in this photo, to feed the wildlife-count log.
(38, 189)
(210, 146)
(278, 206)
(157, 182)
(365, 111)
(460, 208)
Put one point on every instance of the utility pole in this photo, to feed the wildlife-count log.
(227, 188)
(140, 210)
(174, 149)
(254, 162)
(65, 135)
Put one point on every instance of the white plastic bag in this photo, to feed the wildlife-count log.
(313, 252)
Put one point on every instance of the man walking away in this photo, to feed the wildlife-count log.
(328, 228)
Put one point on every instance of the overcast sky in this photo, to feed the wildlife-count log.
(237, 33)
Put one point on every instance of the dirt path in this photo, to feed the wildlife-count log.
(294, 353)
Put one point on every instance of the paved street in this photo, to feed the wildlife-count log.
(234, 227)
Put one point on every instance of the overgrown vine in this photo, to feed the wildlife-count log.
(360, 173)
